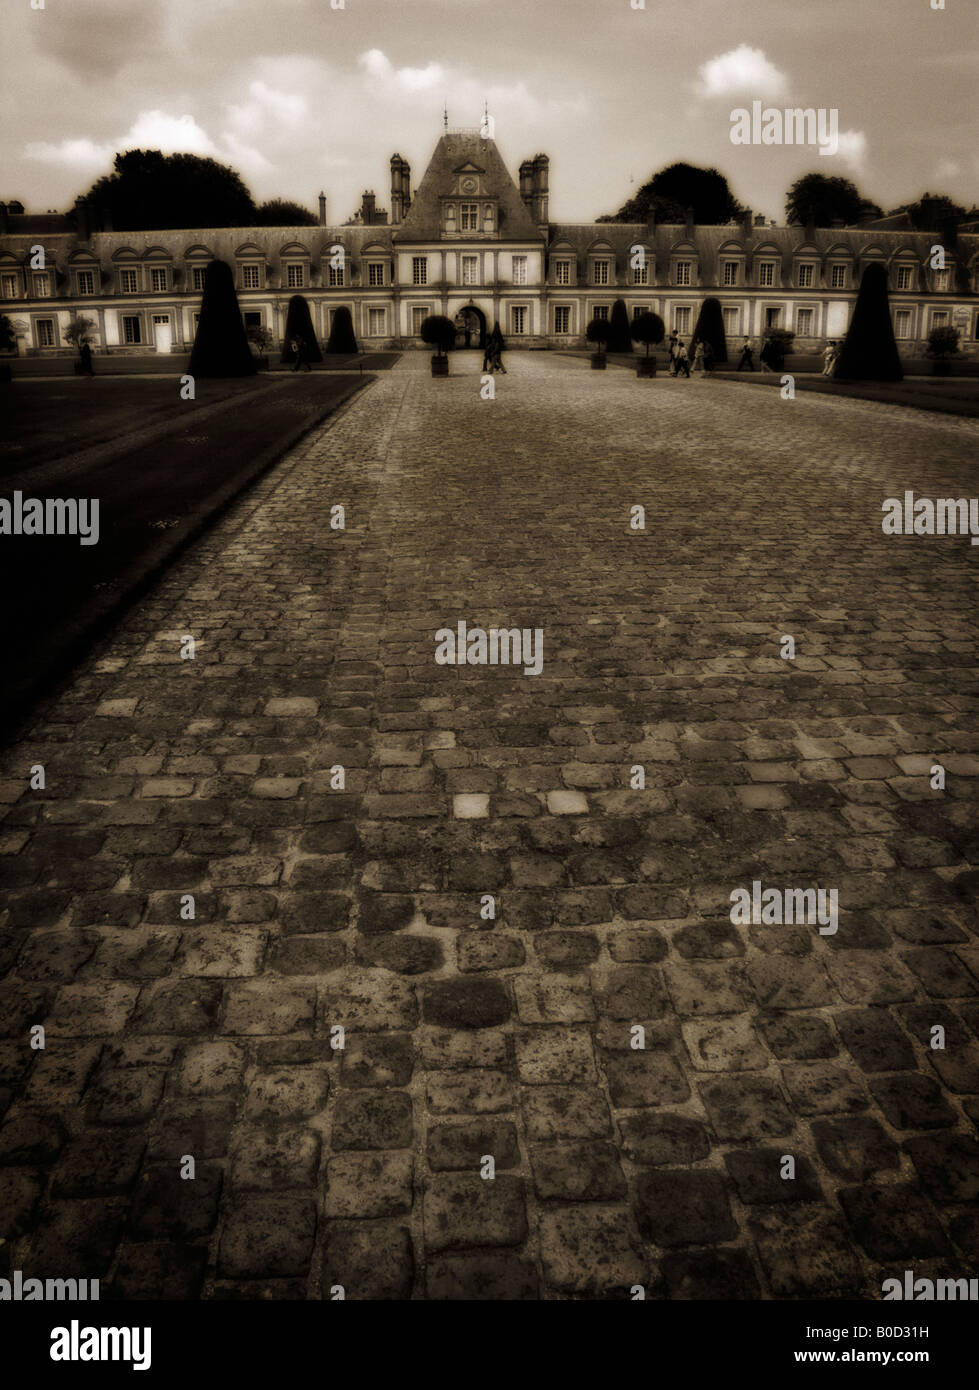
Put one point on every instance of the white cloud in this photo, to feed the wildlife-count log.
(77, 154)
(268, 104)
(742, 70)
(852, 148)
(948, 169)
(379, 66)
(157, 130)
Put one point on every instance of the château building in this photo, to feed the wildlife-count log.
(475, 245)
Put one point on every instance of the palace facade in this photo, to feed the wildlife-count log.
(475, 245)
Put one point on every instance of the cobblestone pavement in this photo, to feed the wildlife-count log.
(467, 1037)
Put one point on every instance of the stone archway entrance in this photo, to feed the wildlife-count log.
(470, 325)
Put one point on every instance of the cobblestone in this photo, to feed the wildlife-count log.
(488, 907)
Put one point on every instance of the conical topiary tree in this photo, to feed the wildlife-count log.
(342, 337)
(299, 324)
(220, 345)
(619, 329)
(710, 329)
(869, 352)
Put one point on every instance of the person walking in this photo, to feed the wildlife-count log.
(747, 356)
(829, 358)
(85, 352)
(488, 347)
(498, 347)
(672, 354)
(682, 360)
(698, 359)
(302, 355)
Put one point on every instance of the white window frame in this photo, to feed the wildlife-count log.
(731, 315)
(469, 217)
(125, 319)
(903, 316)
(335, 274)
(805, 309)
(520, 270)
(682, 319)
(159, 272)
(128, 280)
(515, 311)
(376, 314)
(419, 270)
(601, 271)
(839, 272)
(42, 284)
(766, 274)
(683, 272)
(729, 268)
(562, 309)
(251, 269)
(198, 271)
(640, 273)
(43, 327)
(295, 275)
(83, 278)
(940, 318)
(904, 280)
(777, 310)
(8, 281)
(375, 274)
(806, 275)
(562, 272)
(469, 269)
(419, 313)
(943, 281)
(601, 311)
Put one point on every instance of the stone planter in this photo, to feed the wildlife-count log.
(440, 366)
(598, 361)
(645, 366)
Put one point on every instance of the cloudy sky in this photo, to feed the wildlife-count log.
(300, 96)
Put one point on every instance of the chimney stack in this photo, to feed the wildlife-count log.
(747, 222)
(395, 190)
(541, 166)
(405, 186)
(83, 222)
(322, 209)
(760, 219)
(688, 229)
(367, 208)
(527, 185)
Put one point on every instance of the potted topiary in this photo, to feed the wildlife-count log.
(649, 329)
(261, 340)
(597, 332)
(440, 333)
(78, 334)
(943, 343)
(777, 343)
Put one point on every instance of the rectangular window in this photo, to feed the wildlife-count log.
(469, 221)
(131, 331)
(766, 274)
(601, 273)
(520, 270)
(129, 281)
(562, 272)
(839, 277)
(295, 277)
(42, 286)
(86, 282)
(803, 323)
(941, 281)
(518, 319)
(730, 273)
(375, 273)
(732, 322)
(773, 318)
(158, 280)
(199, 273)
(939, 318)
(904, 273)
(638, 309)
(375, 323)
(45, 332)
(419, 270)
(418, 317)
(640, 274)
(470, 270)
(682, 276)
(336, 277)
(562, 319)
(806, 276)
(601, 311)
(902, 323)
(249, 277)
(681, 320)
(8, 287)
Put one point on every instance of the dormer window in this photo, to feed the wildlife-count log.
(295, 276)
(730, 273)
(469, 217)
(941, 281)
(904, 277)
(807, 275)
(683, 272)
(601, 272)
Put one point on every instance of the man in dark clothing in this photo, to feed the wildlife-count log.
(747, 357)
(682, 360)
(302, 356)
(85, 352)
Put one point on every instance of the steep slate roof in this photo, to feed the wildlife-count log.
(424, 220)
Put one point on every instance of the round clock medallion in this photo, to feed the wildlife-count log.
(469, 185)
